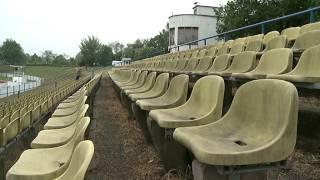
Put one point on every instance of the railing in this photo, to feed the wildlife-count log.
(262, 24)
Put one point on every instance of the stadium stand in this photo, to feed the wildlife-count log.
(258, 129)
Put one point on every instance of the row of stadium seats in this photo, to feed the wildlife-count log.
(260, 127)
(60, 151)
(21, 112)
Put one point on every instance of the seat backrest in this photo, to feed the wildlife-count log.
(237, 48)
(219, 44)
(277, 42)
(178, 89)
(276, 61)
(223, 50)
(194, 53)
(267, 110)
(307, 40)
(308, 63)
(240, 40)
(243, 62)
(220, 63)
(212, 52)
(254, 38)
(207, 97)
(191, 65)
(254, 45)
(150, 79)
(161, 83)
(142, 78)
(204, 63)
(80, 160)
(270, 35)
(310, 27)
(202, 53)
(229, 43)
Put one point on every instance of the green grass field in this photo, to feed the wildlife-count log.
(48, 72)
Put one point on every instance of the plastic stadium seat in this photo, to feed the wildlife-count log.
(80, 161)
(277, 42)
(223, 50)
(240, 40)
(159, 87)
(202, 53)
(65, 121)
(212, 52)
(180, 65)
(276, 61)
(176, 94)
(146, 86)
(74, 102)
(133, 80)
(9, 132)
(69, 111)
(139, 83)
(254, 45)
(237, 48)
(292, 33)
(307, 40)
(249, 39)
(242, 62)
(203, 106)
(203, 65)
(260, 127)
(310, 27)
(25, 120)
(47, 163)
(307, 69)
(192, 63)
(220, 63)
(56, 137)
(269, 36)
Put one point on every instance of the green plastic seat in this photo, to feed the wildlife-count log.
(254, 45)
(146, 86)
(277, 42)
(307, 69)
(310, 27)
(56, 137)
(260, 127)
(249, 39)
(212, 51)
(270, 35)
(241, 63)
(220, 63)
(80, 160)
(203, 106)
(133, 80)
(69, 111)
(175, 95)
(180, 66)
(307, 40)
(159, 87)
(192, 63)
(74, 102)
(127, 79)
(203, 65)
(139, 83)
(10, 131)
(46, 164)
(236, 49)
(292, 33)
(223, 50)
(276, 61)
(65, 121)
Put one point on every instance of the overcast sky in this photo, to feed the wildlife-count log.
(59, 25)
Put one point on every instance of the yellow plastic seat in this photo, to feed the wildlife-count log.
(212, 51)
(133, 80)
(25, 120)
(146, 86)
(46, 164)
(276, 61)
(56, 137)
(310, 27)
(69, 111)
(223, 50)
(307, 69)
(254, 45)
(180, 66)
(65, 121)
(236, 49)
(249, 39)
(307, 40)
(203, 106)
(241, 63)
(192, 63)
(71, 104)
(270, 35)
(277, 42)
(292, 33)
(9, 132)
(175, 95)
(220, 63)
(80, 160)
(240, 40)
(159, 87)
(139, 83)
(203, 65)
(260, 127)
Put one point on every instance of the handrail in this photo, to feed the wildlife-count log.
(311, 11)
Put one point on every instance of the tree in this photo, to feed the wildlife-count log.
(89, 49)
(48, 56)
(239, 13)
(105, 56)
(11, 53)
